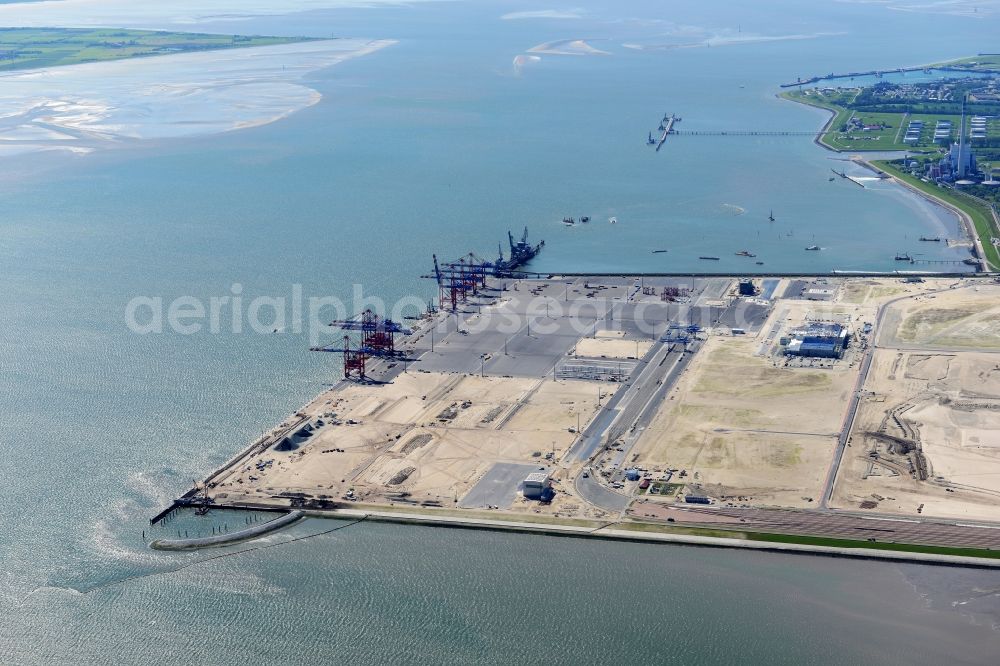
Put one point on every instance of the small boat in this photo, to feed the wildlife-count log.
(612, 220)
(745, 253)
(832, 179)
(658, 251)
(970, 262)
(650, 141)
(569, 221)
(812, 248)
(770, 216)
(585, 219)
(709, 258)
(930, 240)
(759, 263)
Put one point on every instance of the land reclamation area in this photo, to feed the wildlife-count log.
(680, 406)
(29, 48)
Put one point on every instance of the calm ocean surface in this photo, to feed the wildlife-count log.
(434, 144)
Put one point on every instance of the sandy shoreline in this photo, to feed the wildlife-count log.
(963, 217)
(100, 105)
(966, 219)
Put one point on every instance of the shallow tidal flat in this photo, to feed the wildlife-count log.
(85, 107)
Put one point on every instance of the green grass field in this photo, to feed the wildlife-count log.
(890, 138)
(28, 48)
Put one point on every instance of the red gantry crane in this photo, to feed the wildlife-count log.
(378, 339)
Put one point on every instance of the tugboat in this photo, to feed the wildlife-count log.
(585, 219)
(745, 253)
(812, 248)
(569, 221)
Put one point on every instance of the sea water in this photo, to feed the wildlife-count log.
(437, 143)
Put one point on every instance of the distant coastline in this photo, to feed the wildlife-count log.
(965, 215)
(34, 48)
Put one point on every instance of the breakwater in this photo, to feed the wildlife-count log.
(228, 539)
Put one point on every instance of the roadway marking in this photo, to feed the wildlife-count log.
(983, 527)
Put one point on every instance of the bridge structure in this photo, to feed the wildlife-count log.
(749, 133)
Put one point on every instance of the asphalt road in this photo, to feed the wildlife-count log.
(499, 486)
(592, 491)
(649, 387)
(635, 393)
(887, 529)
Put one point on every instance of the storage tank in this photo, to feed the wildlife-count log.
(632, 474)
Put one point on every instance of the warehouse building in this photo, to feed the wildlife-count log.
(818, 340)
(537, 486)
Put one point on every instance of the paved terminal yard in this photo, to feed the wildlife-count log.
(637, 396)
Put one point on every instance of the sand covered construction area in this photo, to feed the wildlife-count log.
(742, 425)
(610, 347)
(424, 437)
(722, 411)
(926, 439)
(967, 318)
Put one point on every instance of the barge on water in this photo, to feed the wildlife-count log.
(521, 253)
(468, 274)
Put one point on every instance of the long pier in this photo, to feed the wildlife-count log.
(878, 73)
(667, 129)
(747, 133)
